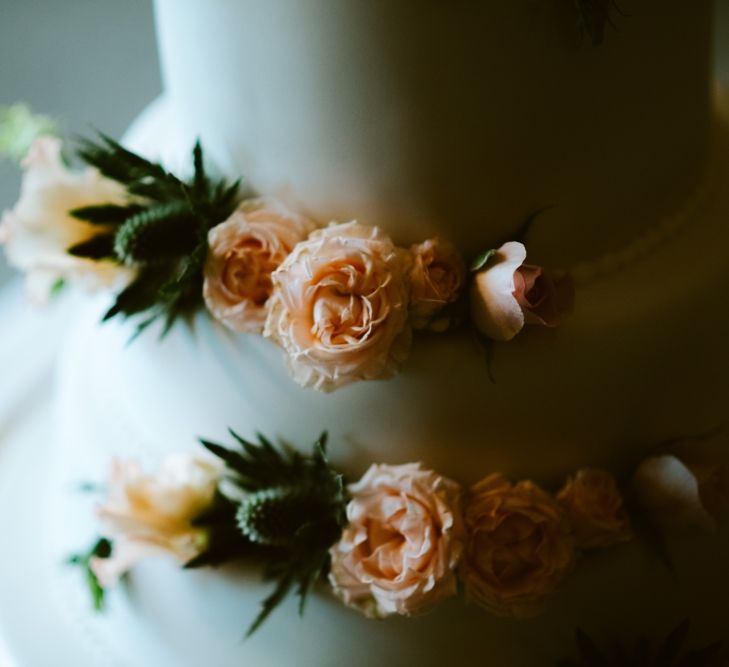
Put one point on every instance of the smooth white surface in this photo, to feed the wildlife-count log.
(458, 118)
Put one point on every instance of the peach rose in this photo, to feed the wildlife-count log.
(399, 551)
(38, 231)
(508, 294)
(671, 492)
(436, 278)
(146, 515)
(244, 251)
(340, 307)
(520, 546)
(594, 508)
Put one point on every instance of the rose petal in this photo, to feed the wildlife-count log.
(496, 312)
(669, 491)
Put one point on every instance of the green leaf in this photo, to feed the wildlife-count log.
(272, 602)
(98, 247)
(57, 287)
(140, 176)
(102, 548)
(105, 214)
(482, 260)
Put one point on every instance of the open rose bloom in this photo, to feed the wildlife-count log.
(38, 231)
(244, 251)
(594, 508)
(437, 276)
(146, 515)
(339, 307)
(402, 544)
(507, 294)
(520, 546)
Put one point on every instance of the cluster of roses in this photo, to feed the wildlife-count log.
(342, 301)
(412, 534)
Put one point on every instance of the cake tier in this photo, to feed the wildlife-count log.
(637, 363)
(451, 118)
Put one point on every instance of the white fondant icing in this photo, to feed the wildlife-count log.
(458, 118)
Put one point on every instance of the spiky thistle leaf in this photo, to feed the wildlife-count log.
(593, 16)
(670, 652)
(295, 508)
(162, 231)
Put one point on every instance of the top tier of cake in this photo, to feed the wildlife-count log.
(457, 118)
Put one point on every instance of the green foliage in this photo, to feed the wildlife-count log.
(98, 247)
(671, 652)
(593, 16)
(294, 509)
(482, 260)
(101, 549)
(19, 127)
(162, 230)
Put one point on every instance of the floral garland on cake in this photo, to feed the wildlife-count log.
(400, 539)
(341, 300)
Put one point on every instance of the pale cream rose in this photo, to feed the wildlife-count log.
(340, 307)
(151, 514)
(520, 546)
(507, 294)
(244, 251)
(437, 276)
(38, 231)
(670, 492)
(403, 541)
(594, 508)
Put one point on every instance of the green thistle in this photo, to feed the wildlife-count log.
(157, 233)
(293, 512)
(161, 230)
(277, 516)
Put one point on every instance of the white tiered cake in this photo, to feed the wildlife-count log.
(456, 119)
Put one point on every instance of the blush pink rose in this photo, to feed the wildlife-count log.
(339, 308)
(38, 231)
(402, 544)
(437, 276)
(508, 294)
(146, 515)
(520, 546)
(244, 251)
(595, 510)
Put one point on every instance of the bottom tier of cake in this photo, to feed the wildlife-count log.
(165, 616)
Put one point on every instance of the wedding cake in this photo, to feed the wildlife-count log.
(415, 153)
